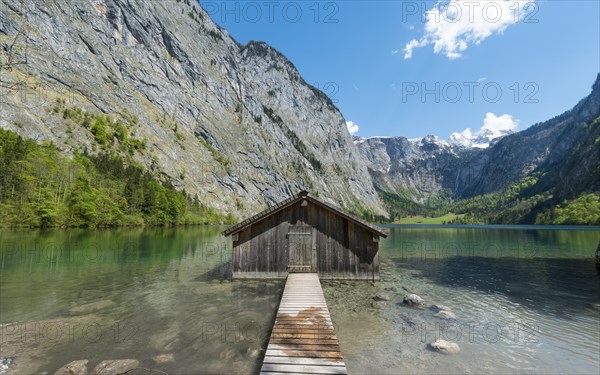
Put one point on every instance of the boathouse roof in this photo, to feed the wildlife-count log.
(303, 195)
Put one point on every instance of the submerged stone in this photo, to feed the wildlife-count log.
(252, 353)
(381, 297)
(439, 308)
(92, 307)
(413, 299)
(115, 366)
(445, 347)
(445, 314)
(74, 368)
(5, 363)
(164, 358)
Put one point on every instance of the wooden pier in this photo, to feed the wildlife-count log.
(303, 339)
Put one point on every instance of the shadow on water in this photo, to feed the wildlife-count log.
(548, 285)
(221, 272)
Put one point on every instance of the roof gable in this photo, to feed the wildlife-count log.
(293, 200)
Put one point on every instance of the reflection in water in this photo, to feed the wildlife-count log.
(525, 301)
(155, 295)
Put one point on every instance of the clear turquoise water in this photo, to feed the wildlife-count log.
(526, 301)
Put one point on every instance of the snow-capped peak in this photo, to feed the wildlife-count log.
(482, 139)
(433, 140)
(494, 127)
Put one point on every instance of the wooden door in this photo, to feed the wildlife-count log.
(300, 249)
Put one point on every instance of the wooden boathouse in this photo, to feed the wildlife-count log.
(303, 239)
(305, 234)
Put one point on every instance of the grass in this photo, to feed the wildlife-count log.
(427, 220)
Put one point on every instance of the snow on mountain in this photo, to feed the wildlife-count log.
(482, 139)
(494, 127)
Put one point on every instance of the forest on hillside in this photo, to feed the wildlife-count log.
(42, 187)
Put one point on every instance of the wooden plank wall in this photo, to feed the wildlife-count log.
(341, 250)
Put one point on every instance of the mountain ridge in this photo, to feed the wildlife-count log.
(406, 170)
(238, 127)
(238, 121)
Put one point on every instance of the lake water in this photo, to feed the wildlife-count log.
(526, 300)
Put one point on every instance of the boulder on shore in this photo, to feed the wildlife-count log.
(445, 347)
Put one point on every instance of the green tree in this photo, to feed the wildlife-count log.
(82, 204)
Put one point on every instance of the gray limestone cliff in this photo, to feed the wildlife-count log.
(234, 124)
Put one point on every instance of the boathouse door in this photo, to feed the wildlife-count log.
(300, 249)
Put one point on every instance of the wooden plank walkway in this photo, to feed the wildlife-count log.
(303, 340)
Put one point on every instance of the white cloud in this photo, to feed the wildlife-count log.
(493, 127)
(499, 124)
(452, 25)
(467, 133)
(408, 50)
(352, 127)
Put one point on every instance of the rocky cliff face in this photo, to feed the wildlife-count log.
(542, 148)
(413, 169)
(420, 169)
(236, 125)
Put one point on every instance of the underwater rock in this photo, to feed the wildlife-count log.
(115, 366)
(163, 358)
(381, 297)
(445, 347)
(438, 308)
(74, 368)
(5, 363)
(92, 307)
(252, 353)
(445, 314)
(413, 299)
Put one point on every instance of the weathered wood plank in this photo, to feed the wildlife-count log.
(302, 361)
(303, 338)
(277, 340)
(303, 369)
(314, 350)
(331, 353)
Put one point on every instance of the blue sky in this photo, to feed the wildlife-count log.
(528, 60)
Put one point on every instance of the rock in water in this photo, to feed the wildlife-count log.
(438, 308)
(445, 347)
(445, 314)
(252, 353)
(163, 358)
(381, 297)
(115, 366)
(5, 363)
(74, 368)
(413, 299)
(92, 307)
